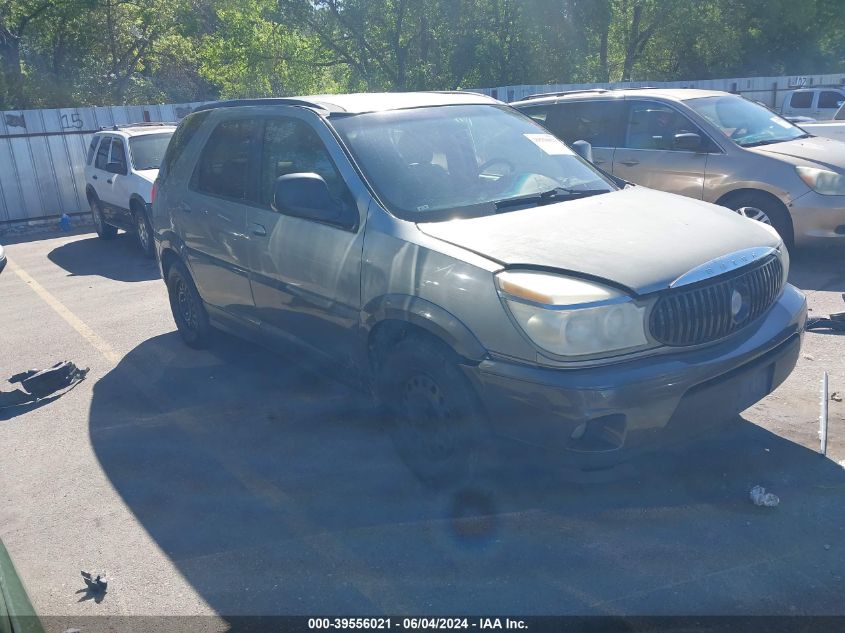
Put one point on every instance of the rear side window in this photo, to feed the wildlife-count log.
(599, 123)
(830, 99)
(91, 149)
(223, 168)
(118, 153)
(103, 153)
(183, 135)
(801, 100)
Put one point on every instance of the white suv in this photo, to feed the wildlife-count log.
(120, 169)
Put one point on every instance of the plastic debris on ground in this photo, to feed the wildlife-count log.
(760, 497)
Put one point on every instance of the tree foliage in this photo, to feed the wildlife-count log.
(76, 52)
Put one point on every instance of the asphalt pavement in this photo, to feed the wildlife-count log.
(235, 481)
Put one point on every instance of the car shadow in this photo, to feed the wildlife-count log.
(275, 491)
(119, 258)
(818, 269)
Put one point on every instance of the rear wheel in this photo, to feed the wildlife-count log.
(432, 412)
(104, 231)
(761, 207)
(143, 231)
(187, 307)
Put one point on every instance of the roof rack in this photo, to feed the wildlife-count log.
(566, 92)
(563, 93)
(139, 124)
(262, 101)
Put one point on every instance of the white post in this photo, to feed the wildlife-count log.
(823, 417)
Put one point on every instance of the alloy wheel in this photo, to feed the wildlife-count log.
(754, 213)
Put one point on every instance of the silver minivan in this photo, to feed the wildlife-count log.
(712, 146)
(449, 254)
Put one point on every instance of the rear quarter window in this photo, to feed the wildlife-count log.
(801, 100)
(181, 138)
(91, 149)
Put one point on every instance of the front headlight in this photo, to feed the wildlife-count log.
(572, 317)
(823, 181)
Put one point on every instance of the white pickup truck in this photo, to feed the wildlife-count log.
(835, 128)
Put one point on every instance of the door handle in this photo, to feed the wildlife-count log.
(258, 229)
(94, 176)
(630, 163)
(109, 181)
(597, 161)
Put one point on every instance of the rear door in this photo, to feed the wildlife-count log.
(600, 122)
(211, 216)
(306, 275)
(648, 155)
(100, 177)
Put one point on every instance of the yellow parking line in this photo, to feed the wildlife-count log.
(70, 318)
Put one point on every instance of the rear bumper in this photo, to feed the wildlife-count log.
(818, 219)
(641, 404)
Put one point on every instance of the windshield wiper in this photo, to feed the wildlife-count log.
(769, 141)
(547, 197)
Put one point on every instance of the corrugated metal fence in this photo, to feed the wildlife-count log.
(42, 156)
(769, 90)
(42, 152)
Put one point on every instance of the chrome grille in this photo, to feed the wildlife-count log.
(717, 307)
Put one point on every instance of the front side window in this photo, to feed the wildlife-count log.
(442, 162)
(291, 146)
(103, 153)
(801, 100)
(830, 99)
(223, 168)
(148, 150)
(654, 125)
(746, 123)
(597, 122)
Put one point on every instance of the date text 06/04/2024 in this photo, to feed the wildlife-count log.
(415, 624)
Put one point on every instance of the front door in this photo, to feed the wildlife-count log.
(212, 215)
(648, 155)
(306, 274)
(600, 122)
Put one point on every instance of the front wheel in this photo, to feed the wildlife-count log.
(187, 307)
(762, 208)
(435, 421)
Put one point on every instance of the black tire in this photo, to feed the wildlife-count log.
(104, 231)
(187, 307)
(143, 231)
(431, 411)
(748, 202)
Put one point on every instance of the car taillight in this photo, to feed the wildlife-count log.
(153, 192)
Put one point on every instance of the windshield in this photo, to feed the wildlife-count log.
(445, 162)
(744, 122)
(148, 150)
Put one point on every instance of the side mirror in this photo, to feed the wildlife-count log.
(116, 168)
(584, 150)
(306, 195)
(688, 141)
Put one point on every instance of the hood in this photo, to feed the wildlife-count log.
(148, 174)
(636, 237)
(821, 151)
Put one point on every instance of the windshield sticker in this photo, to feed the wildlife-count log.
(549, 144)
(778, 121)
